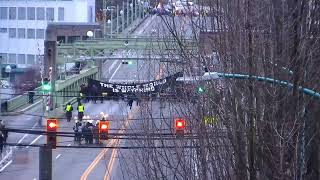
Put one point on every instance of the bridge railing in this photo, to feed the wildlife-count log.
(21, 100)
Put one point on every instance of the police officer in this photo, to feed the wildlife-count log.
(80, 111)
(69, 110)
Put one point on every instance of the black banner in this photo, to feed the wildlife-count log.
(152, 87)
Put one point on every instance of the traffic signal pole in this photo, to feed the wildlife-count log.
(45, 163)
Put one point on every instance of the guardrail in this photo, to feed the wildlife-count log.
(6, 160)
(21, 100)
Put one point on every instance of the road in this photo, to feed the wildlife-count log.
(89, 163)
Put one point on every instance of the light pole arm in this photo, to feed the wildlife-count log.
(215, 75)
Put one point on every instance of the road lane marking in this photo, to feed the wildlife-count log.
(69, 144)
(25, 135)
(114, 154)
(112, 65)
(102, 153)
(36, 139)
(6, 166)
(114, 73)
(58, 156)
(107, 176)
(95, 162)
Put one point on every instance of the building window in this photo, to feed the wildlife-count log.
(31, 13)
(3, 58)
(12, 13)
(30, 59)
(61, 14)
(3, 13)
(50, 14)
(40, 34)
(3, 30)
(30, 33)
(21, 33)
(12, 32)
(12, 58)
(40, 13)
(22, 13)
(21, 58)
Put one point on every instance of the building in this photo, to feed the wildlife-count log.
(23, 26)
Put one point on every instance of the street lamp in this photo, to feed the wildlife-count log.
(90, 34)
(110, 25)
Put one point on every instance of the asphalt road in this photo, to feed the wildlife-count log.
(85, 163)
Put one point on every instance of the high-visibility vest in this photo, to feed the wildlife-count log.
(81, 108)
(68, 108)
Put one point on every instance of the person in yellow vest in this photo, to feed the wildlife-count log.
(80, 111)
(69, 110)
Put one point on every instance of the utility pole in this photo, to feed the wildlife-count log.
(45, 163)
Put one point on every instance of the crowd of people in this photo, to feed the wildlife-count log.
(86, 131)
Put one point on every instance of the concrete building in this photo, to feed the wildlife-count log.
(23, 26)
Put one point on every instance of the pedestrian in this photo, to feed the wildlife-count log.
(90, 134)
(1, 142)
(75, 130)
(80, 111)
(69, 110)
(80, 134)
(94, 91)
(95, 130)
(5, 134)
(130, 103)
(85, 134)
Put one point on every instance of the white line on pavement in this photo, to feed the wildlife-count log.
(58, 156)
(5, 165)
(114, 73)
(69, 144)
(112, 65)
(36, 139)
(24, 136)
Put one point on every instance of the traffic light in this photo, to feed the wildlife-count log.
(200, 89)
(103, 130)
(52, 126)
(46, 86)
(180, 126)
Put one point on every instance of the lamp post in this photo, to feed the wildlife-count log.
(117, 28)
(122, 20)
(137, 8)
(131, 6)
(142, 9)
(104, 22)
(128, 13)
(110, 25)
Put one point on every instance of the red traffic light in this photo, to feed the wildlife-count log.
(103, 130)
(180, 124)
(52, 125)
(103, 125)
